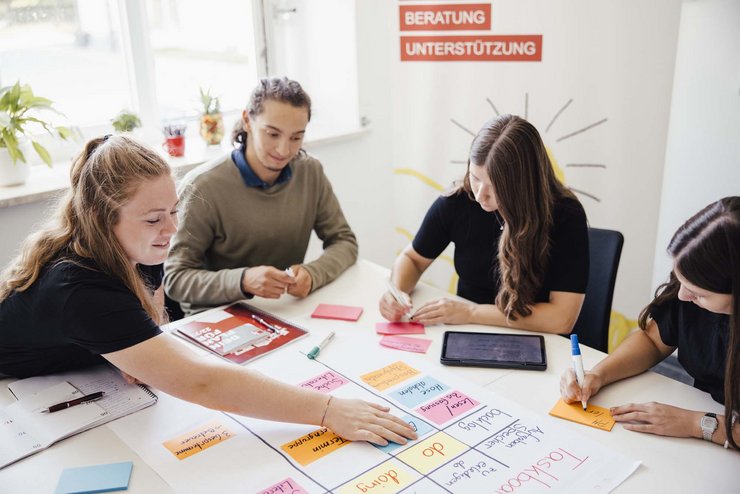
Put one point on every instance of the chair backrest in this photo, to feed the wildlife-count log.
(592, 326)
(173, 309)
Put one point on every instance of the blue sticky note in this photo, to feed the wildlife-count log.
(419, 391)
(95, 478)
(421, 428)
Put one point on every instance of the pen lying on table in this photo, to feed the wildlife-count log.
(266, 324)
(77, 401)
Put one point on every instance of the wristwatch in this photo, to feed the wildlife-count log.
(709, 424)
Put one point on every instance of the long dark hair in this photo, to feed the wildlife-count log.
(279, 89)
(514, 156)
(706, 251)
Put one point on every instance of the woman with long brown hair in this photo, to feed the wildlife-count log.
(521, 239)
(87, 289)
(696, 312)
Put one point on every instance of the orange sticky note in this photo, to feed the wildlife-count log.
(197, 440)
(593, 416)
(309, 448)
(389, 375)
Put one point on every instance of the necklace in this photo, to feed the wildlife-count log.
(499, 220)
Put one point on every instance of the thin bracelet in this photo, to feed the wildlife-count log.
(323, 417)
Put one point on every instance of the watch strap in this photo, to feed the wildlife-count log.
(709, 424)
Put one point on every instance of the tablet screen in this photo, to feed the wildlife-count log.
(493, 348)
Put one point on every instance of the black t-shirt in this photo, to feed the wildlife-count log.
(701, 337)
(71, 315)
(476, 233)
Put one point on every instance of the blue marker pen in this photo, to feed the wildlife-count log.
(575, 350)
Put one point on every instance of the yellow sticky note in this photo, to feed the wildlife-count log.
(309, 448)
(389, 375)
(390, 476)
(197, 440)
(432, 452)
(593, 416)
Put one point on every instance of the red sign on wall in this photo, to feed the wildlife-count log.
(505, 48)
(445, 17)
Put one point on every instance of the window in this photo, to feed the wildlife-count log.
(94, 58)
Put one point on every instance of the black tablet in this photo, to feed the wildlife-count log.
(511, 351)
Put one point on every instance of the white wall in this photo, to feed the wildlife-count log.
(16, 223)
(703, 149)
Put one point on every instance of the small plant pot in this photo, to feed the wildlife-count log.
(212, 128)
(175, 146)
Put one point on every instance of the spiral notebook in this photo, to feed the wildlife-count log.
(25, 430)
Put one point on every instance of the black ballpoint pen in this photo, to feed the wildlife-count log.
(77, 401)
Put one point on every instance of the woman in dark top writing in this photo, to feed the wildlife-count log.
(696, 311)
(521, 240)
(87, 289)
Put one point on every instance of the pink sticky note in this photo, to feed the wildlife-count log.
(406, 344)
(399, 328)
(447, 407)
(341, 312)
(324, 383)
(287, 485)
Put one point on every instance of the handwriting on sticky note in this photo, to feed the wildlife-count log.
(405, 343)
(418, 391)
(399, 328)
(391, 476)
(199, 439)
(286, 486)
(389, 375)
(432, 452)
(593, 416)
(309, 448)
(324, 383)
(446, 407)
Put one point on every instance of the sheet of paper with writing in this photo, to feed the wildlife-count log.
(593, 416)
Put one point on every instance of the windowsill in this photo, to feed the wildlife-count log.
(46, 183)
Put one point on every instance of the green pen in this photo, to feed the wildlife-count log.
(315, 350)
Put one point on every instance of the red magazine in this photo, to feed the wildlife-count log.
(243, 335)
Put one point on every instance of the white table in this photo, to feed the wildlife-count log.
(668, 464)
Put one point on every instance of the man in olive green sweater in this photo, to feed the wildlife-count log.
(230, 230)
(248, 217)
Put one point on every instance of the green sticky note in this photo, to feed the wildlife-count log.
(95, 478)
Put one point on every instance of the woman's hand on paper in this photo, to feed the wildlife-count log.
(303, 282)
(444, 311)
(359, 420)
(266, 281)
(571, 392)
(658, 418)
(392, 309)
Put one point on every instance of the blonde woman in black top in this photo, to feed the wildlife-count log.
(86, 289)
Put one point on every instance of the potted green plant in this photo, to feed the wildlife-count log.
(19, 109)
(211, 121)
(125, 121)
